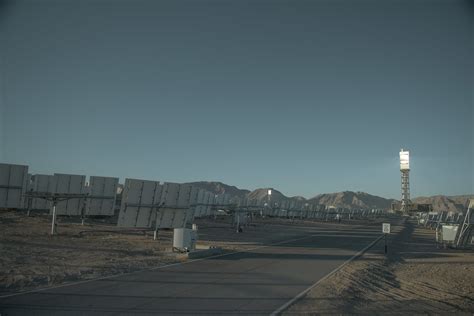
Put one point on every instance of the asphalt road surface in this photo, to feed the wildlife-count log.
(256, 281)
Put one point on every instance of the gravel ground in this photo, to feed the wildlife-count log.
(415, 277)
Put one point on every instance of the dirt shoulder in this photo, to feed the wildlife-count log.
(414, 278)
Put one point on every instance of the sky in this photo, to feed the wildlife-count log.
(304, 96)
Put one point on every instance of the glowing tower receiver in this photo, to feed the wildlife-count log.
(405, 170)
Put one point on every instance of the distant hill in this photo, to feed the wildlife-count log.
(456, 203)
(349, 199)
(220, 188)
(346, 199)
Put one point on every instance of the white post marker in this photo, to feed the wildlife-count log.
(53, 221)
(386, 228)
(385, 231)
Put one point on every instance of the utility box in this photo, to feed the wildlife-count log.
(449, 232)
(184, 239)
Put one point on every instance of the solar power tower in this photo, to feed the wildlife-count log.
(405, 170)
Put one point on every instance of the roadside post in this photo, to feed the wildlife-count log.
(385, 231)
(53, 220)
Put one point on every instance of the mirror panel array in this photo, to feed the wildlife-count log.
(193, 200)
(174, 206)
(13, 184)
(139, 198)
(70, 184)
(102, 193)
(201, 199)
(43, 183)
(148, 204)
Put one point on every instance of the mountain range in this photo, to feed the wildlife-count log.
(349, 199)
(220, 188)
(458, 203)
(346, 199)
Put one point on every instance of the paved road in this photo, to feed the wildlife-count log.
(256, 281)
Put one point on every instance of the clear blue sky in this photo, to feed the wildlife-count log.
(305, 96)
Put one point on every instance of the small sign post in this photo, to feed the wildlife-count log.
(385, 231)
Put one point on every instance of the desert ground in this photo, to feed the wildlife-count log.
(415, 277)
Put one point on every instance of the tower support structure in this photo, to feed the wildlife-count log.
(405, 170)
(405, 207)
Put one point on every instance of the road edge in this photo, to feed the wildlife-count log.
(285, 306)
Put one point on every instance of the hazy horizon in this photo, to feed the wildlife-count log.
(308, 97)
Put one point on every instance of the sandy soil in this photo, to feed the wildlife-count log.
(416, 277)
(31, 258)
